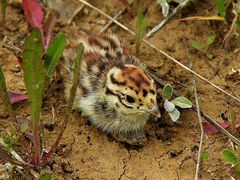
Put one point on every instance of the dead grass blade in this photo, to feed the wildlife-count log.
(202, 18)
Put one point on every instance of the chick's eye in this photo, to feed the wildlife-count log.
(130, 99)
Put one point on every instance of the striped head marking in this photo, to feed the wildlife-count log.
(132, 90)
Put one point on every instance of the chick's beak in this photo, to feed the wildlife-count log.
(155, 111)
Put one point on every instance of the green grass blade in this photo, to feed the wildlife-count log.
(4, 94)
(76, 73)
(221, 7)
(140, 30)
(54, 54)
(34, 76)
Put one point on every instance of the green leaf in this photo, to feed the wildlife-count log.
(221, 7)
(140, 30)
(174, 115)
(229, 156)
(4, 94)
(196, 44)
(182, 102)
(34, 72)
(204, 156)
(76, 73)
(7, 139)
(24, 127)
(54, 54)
(210, 40)
(167, 91)
(34, 77)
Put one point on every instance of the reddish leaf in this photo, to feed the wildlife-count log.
(34, 14)
(16, 97)
(210, 129)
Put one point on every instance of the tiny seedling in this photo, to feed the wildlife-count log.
(170, 106)
(205, 48)
(204, 156)
(221, 7)
(233, 157)
(12, 139)
(141, 25)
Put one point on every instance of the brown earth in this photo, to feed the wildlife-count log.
(85, 152)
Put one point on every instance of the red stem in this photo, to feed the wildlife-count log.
(54, 146)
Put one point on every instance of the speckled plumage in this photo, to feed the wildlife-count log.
(114, 89)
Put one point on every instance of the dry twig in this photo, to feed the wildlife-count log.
(201, 127)
(105, 28)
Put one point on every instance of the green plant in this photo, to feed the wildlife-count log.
(10, 140)
(170, 106)
(13, 138)
(205, 48)
(35, 74)
(204, 156)
(233, 157)
(34, 81)
(76, 72)
(141, 25)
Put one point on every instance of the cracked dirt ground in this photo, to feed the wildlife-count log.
(87, 153)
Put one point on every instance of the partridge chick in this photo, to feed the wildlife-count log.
(114, 90)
